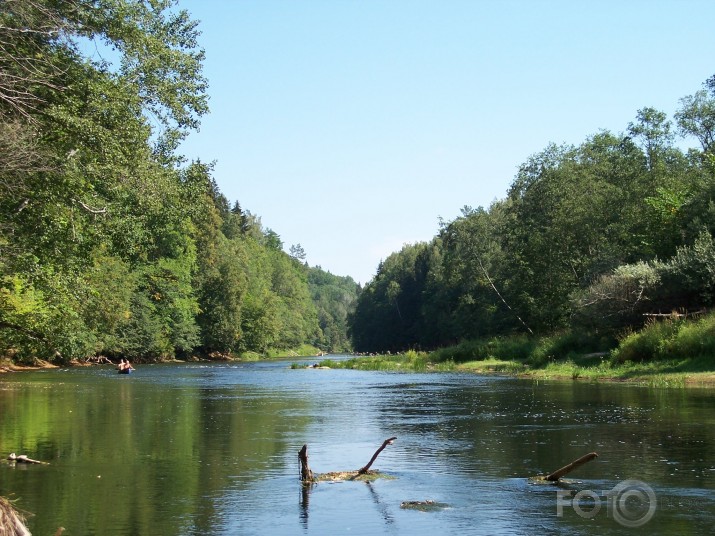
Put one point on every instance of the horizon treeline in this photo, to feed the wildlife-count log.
(595, 238)
(111, 243)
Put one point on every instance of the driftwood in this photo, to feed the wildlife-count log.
(364, 473)
(566, 469)
(11, 521)
(22, 458)
(306, 475)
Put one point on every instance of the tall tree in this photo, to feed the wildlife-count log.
(696, 117)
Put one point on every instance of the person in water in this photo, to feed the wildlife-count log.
(124, 365)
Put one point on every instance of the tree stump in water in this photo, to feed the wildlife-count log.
(306, 475)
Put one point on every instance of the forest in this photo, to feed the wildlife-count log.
(595, 241)
(111, 242)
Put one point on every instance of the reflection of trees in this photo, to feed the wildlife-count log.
(125, 452)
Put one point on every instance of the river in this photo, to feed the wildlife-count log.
(211, 449)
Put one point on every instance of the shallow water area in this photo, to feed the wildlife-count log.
(212, 449)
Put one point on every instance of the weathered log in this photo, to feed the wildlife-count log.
(365, 469)
(11, 522)
(306, 475)
(22, 458)
(566, 469)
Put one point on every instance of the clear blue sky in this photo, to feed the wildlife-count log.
(351, 127)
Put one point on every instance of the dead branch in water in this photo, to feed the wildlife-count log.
(566, 469)
(364, 473)
(364, 470)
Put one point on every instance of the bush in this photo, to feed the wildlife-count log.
(649, 343)
(694, 339)
(618, 298)
(569, 345)
(517, 347)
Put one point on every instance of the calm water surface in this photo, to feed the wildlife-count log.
(212, 449)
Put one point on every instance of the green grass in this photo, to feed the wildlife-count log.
(410, 361)
(516, 347)
(305, 350)
(669, 339)
(493, 365)
(666, 353)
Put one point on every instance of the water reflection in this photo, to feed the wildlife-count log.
(305, 489)
(211, 449)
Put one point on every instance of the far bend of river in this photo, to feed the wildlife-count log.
(211, 449)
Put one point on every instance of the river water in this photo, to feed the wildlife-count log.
(199, 449)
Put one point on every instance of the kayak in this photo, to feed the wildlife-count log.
(125, 371)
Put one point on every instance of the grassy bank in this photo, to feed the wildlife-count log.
(669, 352)
(272, 353)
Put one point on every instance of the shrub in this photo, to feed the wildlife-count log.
(649, 343)
(618, 298)
(694, 339)
(517, 347)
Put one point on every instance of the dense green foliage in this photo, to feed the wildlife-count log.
(110, 242)
(590, 239)
(334, 298)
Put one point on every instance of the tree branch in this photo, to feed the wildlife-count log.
(90, 209)
(364, 470)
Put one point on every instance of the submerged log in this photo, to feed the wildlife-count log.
(365, 469)
(424, 506)
(11, 522)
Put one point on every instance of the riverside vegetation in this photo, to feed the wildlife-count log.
(600, 261)
(113, 244)
(668, 353)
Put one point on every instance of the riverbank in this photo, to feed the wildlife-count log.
(7, 365)
(683, 373)
(594, 367)
(669, 352)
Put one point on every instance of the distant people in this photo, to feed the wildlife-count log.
(124, 365)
